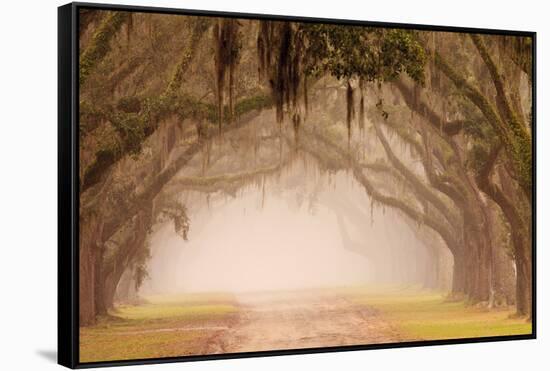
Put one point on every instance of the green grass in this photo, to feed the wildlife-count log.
(426, 315)
(165, 326)
(111, 346)
(191, 312)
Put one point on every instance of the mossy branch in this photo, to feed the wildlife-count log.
(511, 134)
(518, 139)
(135, 128)
(418, 216)
(101, 43)
(483, 179)
(134, 205)
(421, 188)
(210, 184)
(456, 187)
(199, 29)
(380, 167)
(444, 128)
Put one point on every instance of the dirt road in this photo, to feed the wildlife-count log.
(275, 321)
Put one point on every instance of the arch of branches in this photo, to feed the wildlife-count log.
(425, 122)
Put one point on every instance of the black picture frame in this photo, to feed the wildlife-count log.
(68, 187)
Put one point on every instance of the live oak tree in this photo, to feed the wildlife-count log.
(164, 98)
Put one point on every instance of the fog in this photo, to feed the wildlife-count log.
(304, 229)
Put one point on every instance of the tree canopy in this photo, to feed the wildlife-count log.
(171, 105)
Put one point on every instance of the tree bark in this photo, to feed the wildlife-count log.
(431, 275)
(90, 232)
(125, 257)
(464, 193)
(459, 276)
(524, 284)
(87, 310)
(519, 233)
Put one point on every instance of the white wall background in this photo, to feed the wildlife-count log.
(28, 152)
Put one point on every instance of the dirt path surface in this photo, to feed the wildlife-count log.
(276, 321)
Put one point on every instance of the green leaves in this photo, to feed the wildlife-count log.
(400, 52)
(289, 53)
(373, 54)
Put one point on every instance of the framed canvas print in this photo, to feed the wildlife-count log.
(235, 185)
